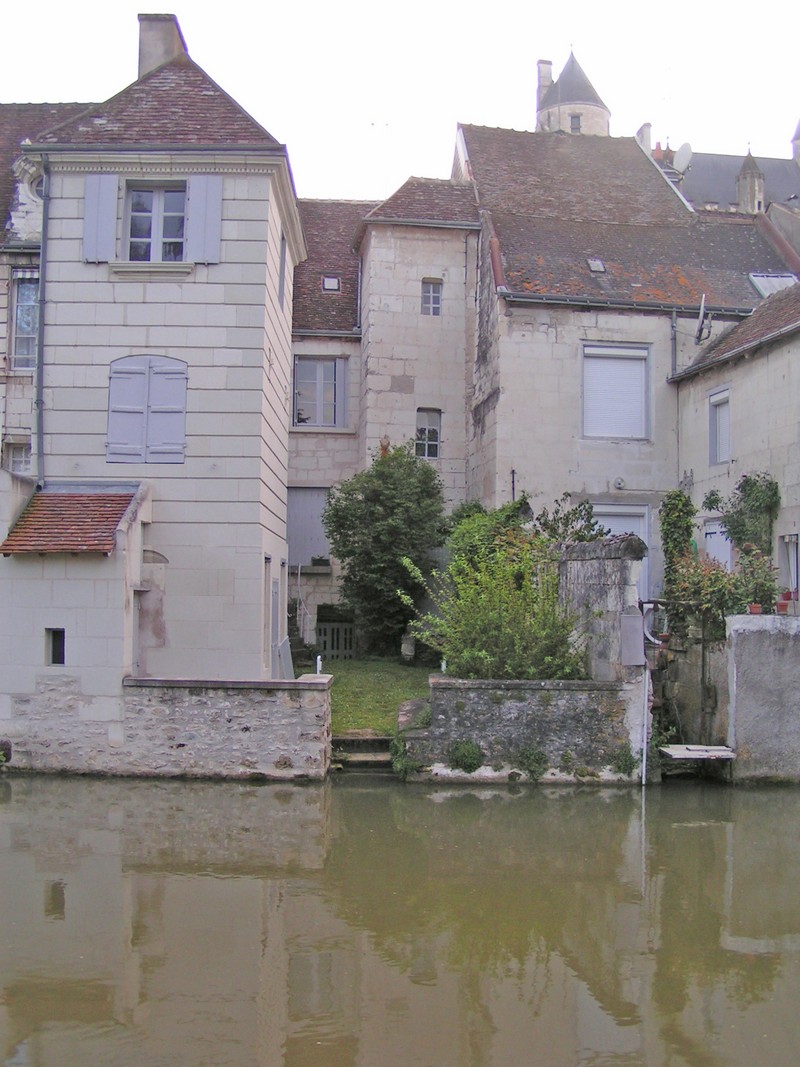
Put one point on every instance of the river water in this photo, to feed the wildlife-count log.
(364, 922)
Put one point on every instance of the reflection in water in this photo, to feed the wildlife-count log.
(363, 922)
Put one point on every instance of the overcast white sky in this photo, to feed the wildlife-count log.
(367, 93)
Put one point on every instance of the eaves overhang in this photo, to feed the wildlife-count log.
(353, 334)
(429, 224)
(618, 304)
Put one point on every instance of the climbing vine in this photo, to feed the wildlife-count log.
(749, 513)
(676, 515)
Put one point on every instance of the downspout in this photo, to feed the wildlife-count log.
(674, 344)
(39, 397)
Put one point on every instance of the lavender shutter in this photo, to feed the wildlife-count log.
(203, 218)
(147, 410)
(166, 415)
(127, 410)
(100, 217)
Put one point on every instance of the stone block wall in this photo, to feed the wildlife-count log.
(195, 729)
(586, 730)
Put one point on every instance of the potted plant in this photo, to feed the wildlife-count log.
(756, 580)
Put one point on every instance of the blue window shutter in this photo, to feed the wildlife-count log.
(127, 410)
(166, 414)
(100, 217)
(203, 218)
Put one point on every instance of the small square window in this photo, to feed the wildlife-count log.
(55, 647)
(330, 283)
(17, 457)
(431, 297)
(429, 433)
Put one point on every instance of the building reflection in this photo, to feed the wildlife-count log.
(360, 923)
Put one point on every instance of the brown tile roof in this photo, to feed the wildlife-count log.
(778, 316)
(562, 176)
(429, 200)
(19, 122)
(175, 104)
(67, 522)
(555, 200)
(657, 263)
(330, 228)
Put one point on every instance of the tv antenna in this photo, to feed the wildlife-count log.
(703, 331)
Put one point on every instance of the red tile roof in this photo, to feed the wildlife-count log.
(175, 104)
(19, 122)
(777, 317)
(554, 200)
(429, 200)
(67, 522)
(330, 228)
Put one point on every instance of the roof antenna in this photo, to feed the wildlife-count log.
(703, 331)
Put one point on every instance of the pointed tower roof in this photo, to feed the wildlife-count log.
(749, 166)
(176, 105)
(571, 87)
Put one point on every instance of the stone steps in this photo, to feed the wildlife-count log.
(358, 751)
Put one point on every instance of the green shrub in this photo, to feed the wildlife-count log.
(624, 761)
(466, 756)
(402, 763)
(533, 761)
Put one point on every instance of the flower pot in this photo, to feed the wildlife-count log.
(753, 609)
(782, 607)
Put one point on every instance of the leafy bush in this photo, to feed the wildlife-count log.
(748, 513)
(402, 763)
(497, 615)
(676, 515)
(466, 756)
(533, 761)
(704, 586)
(390, 511)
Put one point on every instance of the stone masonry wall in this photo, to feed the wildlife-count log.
(585, 729)
(278, 730)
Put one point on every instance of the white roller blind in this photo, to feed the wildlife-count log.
(614, 392)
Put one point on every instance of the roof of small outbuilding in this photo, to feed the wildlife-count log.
(68, 522)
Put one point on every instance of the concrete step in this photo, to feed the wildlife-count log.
(359, 750)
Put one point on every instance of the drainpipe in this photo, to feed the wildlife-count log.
(39, 400)
(674, 344)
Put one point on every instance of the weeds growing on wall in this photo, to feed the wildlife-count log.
(466, 756)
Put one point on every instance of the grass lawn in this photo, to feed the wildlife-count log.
(367, 692)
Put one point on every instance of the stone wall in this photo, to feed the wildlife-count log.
(195, 729)
(585, 730)
(764, 713)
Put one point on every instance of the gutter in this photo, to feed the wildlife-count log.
(353, 334)
(39, 389)
(626, 305)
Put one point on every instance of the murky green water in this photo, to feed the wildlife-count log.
(368, 923)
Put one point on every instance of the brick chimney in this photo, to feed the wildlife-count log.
(160, 40)
(545, 69)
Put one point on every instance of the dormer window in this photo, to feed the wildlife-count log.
(330, 283)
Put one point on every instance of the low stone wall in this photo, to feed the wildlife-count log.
(764, 712)
(197, 729)
(584, 731)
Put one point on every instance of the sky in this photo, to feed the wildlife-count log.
(366, 94)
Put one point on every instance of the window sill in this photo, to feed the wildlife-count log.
(343, 430)
(136, 270)
(309, 569)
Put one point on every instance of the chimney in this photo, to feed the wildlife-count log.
(160, 40)
(643, 137)
(545, 69)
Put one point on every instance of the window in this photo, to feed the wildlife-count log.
(719, 427)
(319, 392)
(615, 391)
(146, 410)
(431, 297)
(429, 433)
(330, 283)
(304, 531)
(574, 124)
(55, 647)
(17, 457)
(624, 519)
(156, 222)
(716, 543)
(164, 222)
(25, 319)
(766, 284)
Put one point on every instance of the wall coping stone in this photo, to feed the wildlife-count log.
(439, 681)
(305, 681)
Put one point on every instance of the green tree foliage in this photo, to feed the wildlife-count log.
(392, 510)
(676, 516)
(497, 613)
(749, 512)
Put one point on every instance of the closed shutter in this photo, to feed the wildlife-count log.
(100, 218)
(203, 218)
(127, 410)
(166, 414)
(614, 392)
(305, 533)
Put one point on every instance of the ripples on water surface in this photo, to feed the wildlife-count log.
(369, 923)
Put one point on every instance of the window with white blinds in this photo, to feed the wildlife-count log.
(615, 391)
(719, 427)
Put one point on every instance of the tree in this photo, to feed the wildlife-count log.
(390, 511)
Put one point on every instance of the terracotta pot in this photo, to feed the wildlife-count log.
(753, 609)
(782, 607)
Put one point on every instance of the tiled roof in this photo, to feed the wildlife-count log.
(429, 200)
(175, 104)
(558, 175)
(778, 316)
(658, 263)
(330, 228)
(556, 200)
(19, 122)
(710, 178)
(67, 522)
(571, 87)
